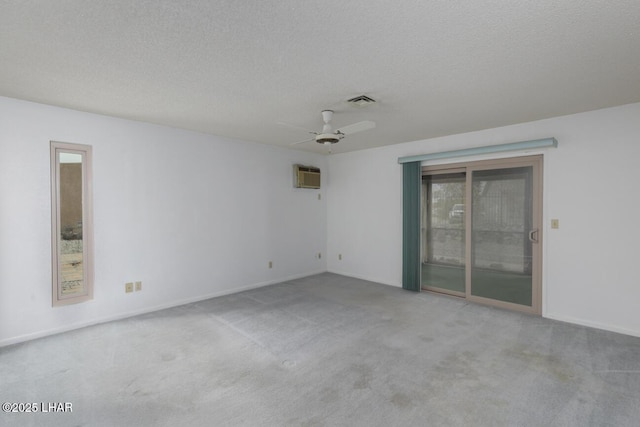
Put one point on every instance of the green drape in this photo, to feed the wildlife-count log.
(411, 182)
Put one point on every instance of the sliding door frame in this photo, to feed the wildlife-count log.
(534, 161)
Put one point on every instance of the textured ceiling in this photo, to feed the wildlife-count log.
(239, 68)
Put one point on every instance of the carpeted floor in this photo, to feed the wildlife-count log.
(327, 350)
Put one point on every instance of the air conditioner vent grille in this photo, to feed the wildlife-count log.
(361, 101)
(306, 176)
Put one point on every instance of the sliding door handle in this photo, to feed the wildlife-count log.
(533, 235)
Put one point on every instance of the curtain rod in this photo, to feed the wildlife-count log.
(513, 146)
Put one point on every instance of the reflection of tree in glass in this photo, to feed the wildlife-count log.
(445, 195)
(72, 232)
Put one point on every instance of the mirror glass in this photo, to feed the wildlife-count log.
(71, 223)
(71, 253)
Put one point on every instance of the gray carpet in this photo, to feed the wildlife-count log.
(328, 351)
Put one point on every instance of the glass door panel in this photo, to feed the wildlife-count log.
(502, 235)
(443, 233)
(480, 231)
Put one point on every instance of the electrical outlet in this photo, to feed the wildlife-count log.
(555, 223)
(128, 287)
(270, 264)
(138, 286)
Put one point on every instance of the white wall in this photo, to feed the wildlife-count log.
(590, 273)
(193, 215)
(190, 215)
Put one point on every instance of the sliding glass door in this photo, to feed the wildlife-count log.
(481, 231)
(443, 219)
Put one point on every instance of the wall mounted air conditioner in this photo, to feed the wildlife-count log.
(306, 176)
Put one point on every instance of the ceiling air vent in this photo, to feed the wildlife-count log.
(361, 101)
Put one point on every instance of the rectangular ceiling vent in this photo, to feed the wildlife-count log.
(306, 176)
(361, 101)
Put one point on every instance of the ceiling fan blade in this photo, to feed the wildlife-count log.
(300, 142)
(295, 127)
(356, 127)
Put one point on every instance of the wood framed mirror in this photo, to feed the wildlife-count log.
(71, 223)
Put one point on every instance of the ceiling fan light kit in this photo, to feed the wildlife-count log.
(328, 136)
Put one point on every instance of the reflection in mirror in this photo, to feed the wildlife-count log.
(71, 212)
(71, 267)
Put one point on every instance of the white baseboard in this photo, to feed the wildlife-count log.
(567, 319)
(124, 315)
(590, 324)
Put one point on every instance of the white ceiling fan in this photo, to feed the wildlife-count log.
(328, 136)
